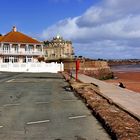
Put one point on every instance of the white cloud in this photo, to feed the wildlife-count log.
(109, 29)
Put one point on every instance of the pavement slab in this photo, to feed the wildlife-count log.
(126, 99)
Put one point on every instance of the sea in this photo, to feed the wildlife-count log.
(127, 68)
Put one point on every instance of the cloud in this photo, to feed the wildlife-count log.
(109, 29)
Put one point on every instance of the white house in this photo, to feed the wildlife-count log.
(18, 47)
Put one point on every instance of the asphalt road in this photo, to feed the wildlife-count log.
(38, 107)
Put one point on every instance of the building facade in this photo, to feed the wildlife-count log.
(58, 48)
(16, 47)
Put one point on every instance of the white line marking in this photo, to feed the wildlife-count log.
(69, 100)
(37, 122)
(18, 81)
(1, 126)
(42, 102)
(77, 117)
(10, 80)
(6, 105)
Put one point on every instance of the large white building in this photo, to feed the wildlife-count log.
(18, 47)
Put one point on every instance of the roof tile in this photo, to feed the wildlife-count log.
(18, 37)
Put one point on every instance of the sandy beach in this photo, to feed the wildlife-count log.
(130, 79)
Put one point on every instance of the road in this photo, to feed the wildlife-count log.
(38, 107)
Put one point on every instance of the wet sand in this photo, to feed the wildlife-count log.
(130, 79)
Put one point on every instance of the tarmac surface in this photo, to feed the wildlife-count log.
(124, 98)
(41, 107)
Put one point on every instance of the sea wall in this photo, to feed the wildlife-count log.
(97, 69)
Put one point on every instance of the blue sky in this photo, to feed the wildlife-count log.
(32, 16)
(97, 28)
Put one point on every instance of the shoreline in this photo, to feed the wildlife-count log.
(131, 79)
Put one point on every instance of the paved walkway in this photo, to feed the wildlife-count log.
(126, 99)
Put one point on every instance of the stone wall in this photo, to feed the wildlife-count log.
(97, 69)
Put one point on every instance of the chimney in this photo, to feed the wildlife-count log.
(14, 29)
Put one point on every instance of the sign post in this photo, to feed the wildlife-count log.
(77, 68)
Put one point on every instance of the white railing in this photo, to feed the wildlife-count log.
(21, 53)
(32, 67)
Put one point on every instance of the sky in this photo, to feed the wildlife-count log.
(108, 29)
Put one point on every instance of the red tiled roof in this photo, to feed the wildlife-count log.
(1, 38)
(18, 37)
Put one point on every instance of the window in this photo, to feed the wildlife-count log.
(6, 47)
(5, 59)
(29, 59)
(12, 59)
(24, 60)
(29, 48)
(15, 47)
(38, 47)
(16, 59)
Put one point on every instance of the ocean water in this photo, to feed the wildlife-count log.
(121, 68)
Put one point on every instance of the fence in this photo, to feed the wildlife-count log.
(32, 67)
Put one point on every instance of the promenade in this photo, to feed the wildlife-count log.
(124, 98)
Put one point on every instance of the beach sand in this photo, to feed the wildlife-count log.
(130, 79)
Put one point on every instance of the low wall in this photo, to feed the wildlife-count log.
(99, 73)
(97, 69)
(32, 67)
(85, 64)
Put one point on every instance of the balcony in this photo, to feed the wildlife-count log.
(32, 53)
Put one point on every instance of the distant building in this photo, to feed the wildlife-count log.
(58, 48)
(18, 47)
